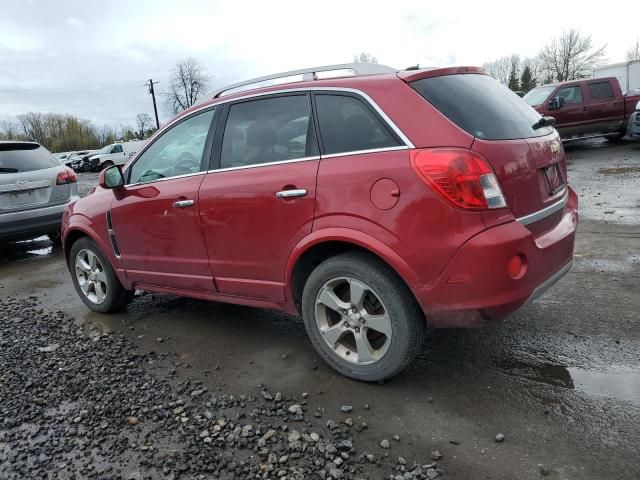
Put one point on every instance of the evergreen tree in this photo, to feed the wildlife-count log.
(527, 82)
(514, 81)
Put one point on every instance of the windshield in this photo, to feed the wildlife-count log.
(106, 149)
(537, 96)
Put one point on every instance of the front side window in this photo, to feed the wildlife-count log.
(178, 151)
(571, 94)
(117, 149)
(268, 130)
(600, 90)
(348, 125)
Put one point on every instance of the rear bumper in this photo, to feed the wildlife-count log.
(32, 223)
(476, 288)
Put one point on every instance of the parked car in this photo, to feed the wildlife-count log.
(634, 122)
(34, 191)
(74, 160)
(583, 108)
(112, 154)
(400, 208)
(63, 156)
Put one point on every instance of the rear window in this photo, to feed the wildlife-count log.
(481, 106)
(600, 90)
(25, 157)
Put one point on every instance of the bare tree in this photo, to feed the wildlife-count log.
(143, 120)
(634, 52)
(571, 56)
(9, 130)
(499, 69)
(189, 81)
(364, 57)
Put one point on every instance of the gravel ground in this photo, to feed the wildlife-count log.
(78, 405)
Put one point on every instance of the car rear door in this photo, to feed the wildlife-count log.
(605, 110)
(259, 200)
(155, 217)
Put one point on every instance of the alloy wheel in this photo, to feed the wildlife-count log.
(91, 276)
(353, 321)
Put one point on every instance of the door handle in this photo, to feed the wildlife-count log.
(298, 192)
(183, 203)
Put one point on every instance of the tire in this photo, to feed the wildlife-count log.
(110, 296)
(106, 164)
(384, 293)
(55, 237)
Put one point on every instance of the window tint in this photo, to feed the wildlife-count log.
(268, 130)
(178, 151)
(481, 106)
(571, 94)
(600, 90)
(117, 149)
(25, 157)
(348, 125)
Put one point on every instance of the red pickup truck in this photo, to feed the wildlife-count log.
(585, 108)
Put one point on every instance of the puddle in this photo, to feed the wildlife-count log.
(617, 381)
(27, 249)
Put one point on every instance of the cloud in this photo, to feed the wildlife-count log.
(74, 22)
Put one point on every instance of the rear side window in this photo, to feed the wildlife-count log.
(481, 106)
(268, 130)
(600, 90)
(347, 124)
(117, 149)
(25, 157)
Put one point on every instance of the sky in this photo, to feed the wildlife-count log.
(92, 59)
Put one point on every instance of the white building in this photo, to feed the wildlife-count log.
(627, 73)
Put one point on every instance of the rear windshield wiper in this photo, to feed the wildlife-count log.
(8, 170)
(544, 122)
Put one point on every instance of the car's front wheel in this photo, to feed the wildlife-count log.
(361, 318)
(95, 280)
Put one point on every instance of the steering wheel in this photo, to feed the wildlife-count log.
(186, 164)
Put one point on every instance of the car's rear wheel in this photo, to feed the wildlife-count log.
(95, 280)
(361, 318)
(616, 137)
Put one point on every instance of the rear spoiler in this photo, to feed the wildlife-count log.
(413, 75)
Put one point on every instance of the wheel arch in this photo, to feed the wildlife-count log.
(323, 244)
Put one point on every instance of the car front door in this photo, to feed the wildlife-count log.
(156, 216)
(259, 201)
(571, 118)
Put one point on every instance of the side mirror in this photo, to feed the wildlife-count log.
(111, 177)
(556, 103)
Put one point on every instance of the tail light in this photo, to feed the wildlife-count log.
(461, 177)
(66, 176)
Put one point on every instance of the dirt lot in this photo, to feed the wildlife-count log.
(560, 379)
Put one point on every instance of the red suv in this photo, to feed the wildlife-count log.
(373, 203)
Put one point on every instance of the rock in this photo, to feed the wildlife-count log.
(396, 437)
(295, 409)
(346, 408)
(435, 455)
(499, 438)
(204, 434)
(49, 348)
(402, 461)
(314, 436)
(431, 473)
(133, 421)
(335, 473)
(385, 443)
(543, 470)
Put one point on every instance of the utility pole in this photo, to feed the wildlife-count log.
(153, 96)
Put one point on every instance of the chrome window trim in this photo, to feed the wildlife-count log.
(545, 212)
(268, 164)
(371, 150)
(203, 172)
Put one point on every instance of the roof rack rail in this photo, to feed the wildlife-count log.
(356, 69)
